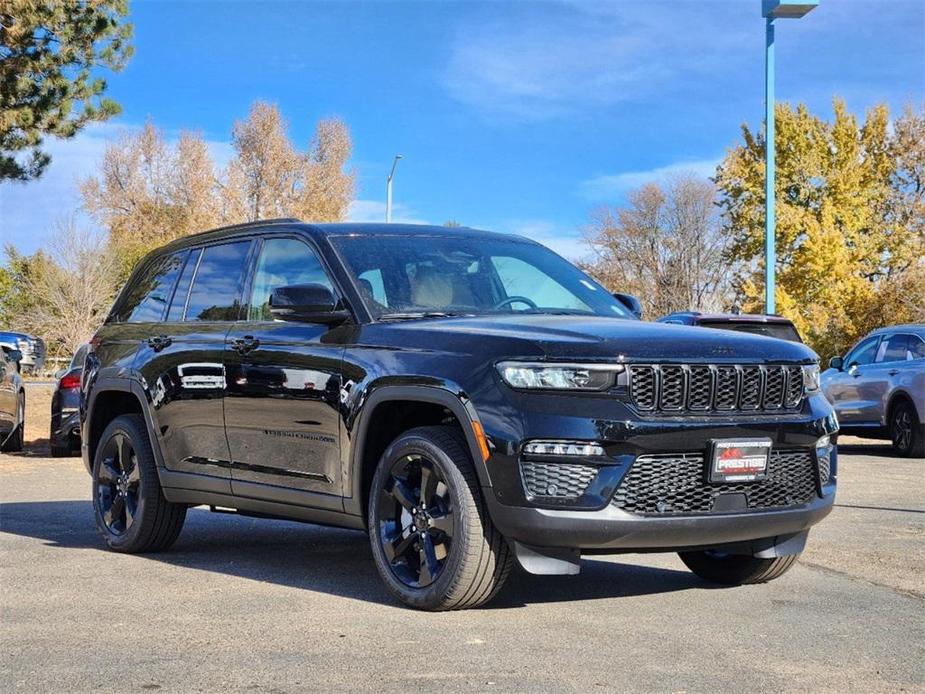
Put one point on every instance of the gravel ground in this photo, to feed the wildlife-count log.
(254, 605)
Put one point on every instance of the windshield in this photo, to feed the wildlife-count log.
(414, 276)
(782, 331)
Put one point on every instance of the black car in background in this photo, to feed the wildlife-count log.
(756, 324)
(12, 399)
(65, 408)
(468, 398)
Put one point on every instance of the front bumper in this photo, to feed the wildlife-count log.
(613, 529)
(596, 520)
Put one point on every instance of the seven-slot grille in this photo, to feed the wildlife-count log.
(669, 388)
(677, 483)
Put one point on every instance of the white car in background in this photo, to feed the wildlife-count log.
(878, 388)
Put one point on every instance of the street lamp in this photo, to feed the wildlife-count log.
(771, 10)
(388, 191)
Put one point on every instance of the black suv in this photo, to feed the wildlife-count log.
(465, 397)
(755, 323)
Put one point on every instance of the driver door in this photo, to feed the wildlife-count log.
(849, 390)
(282, 403)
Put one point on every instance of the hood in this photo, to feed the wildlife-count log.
(598, 337)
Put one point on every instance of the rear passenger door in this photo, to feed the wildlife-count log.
(282, 413)
(182, 360)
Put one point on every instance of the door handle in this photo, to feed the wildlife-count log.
(245, 344)
(159, 342)
(893, 372)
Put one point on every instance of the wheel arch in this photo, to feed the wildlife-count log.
(896, 397)
(110, 398)
(391, 410)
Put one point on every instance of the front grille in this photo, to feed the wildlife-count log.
(677, 483)
(678, 388)
(825, 469)
(556, 480)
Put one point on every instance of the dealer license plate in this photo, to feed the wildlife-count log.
(739, 460)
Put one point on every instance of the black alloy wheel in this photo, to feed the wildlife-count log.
(906, 432)
(132, 514)
(118, 484)
(415, 517)
(431, 536)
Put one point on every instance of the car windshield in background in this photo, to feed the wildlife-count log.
(419, 276)
(782, 331)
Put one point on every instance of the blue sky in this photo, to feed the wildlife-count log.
(519, 117)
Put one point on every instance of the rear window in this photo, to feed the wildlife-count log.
(216, 291)
(782, 331)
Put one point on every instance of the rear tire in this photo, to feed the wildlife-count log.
(14, 442)
(131, 512)
(736, 569)
(432, 539)
(906, 431)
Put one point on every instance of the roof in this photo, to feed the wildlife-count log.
(918, 328)
(730, 317)
(336, 229)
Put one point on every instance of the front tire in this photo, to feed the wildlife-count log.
(14, 442)
(131, 512)
(432, 540)
(736, 569)
(906, 431)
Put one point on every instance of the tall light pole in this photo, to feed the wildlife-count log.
(388, 191)
(771, 10)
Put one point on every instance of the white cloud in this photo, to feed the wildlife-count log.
(612, 187)
(374, 211)
(574, 57)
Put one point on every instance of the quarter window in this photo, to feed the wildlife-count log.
(216, 291)
(148, 298)
(283, 262)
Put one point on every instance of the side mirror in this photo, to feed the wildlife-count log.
(631, 302)
(306, 303)
(836, 363)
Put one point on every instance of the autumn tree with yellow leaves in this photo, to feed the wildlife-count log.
(850, 230)
(149, 190)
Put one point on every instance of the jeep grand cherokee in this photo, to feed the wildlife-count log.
(467, 398)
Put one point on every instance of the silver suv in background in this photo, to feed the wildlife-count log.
(878, 389)
(32, 348)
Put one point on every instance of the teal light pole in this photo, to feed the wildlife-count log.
(771, 10)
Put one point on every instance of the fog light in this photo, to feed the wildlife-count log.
(564, 448)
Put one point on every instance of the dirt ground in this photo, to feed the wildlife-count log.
(38, 415)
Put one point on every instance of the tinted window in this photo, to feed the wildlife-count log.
(175, 313)
(916, 348)
(283, 262)
(467, 274)
(78, 360)
(216, 291)
(148, 297)
(864, 353)
(893, 348)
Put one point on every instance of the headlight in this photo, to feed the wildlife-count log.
(543, 376)
(810, 378)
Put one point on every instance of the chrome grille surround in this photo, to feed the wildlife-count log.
(702, 388)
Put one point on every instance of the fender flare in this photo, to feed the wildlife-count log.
(458, 404)
(104, 384)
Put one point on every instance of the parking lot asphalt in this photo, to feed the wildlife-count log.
(243, 604)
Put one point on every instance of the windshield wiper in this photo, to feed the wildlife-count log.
(411, 315)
